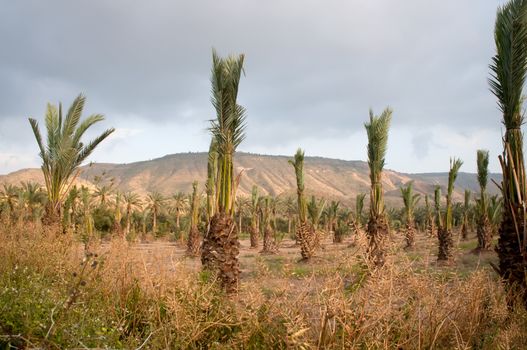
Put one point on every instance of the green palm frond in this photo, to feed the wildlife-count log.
(228, 129)
(64, 152)
(298, 165)
(509, 65)
(483, 168)
(377, 132)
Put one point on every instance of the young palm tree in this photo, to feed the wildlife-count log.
(132, 201)
(253, 209)
(34, 198)
(64, 151)
(179, 203)
(377, 131)
(444, 232)
(210, 185)
(484, 229)
(220, 245)
(332, 216)
(466, 210)
(117, 217)
(508, 76)
(155, 202)
(269, 245)
(89, 227)
(10, 196)
(437, 207)
(305, 232)
(410, 201)
(103, 193)
(315, 210)
(430, 219)
(194, 243)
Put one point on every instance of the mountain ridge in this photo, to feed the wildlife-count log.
(332, 178)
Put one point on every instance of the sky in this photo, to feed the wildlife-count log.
(313, 70)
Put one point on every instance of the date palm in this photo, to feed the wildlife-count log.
(410, 201)
(484, 229)
(132, 201)
(444, 232)
(315, 209)
(179, 203)
(10, 196)
(430, 218)
(155, 202)
(332, 218)
(220, 247)
(305, 232)
(269, 245)
(377, 132)
(466, 210)
(64, 151)
(193, 242)
(254, 209)
(508, 76)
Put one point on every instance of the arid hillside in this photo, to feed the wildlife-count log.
(331, 178)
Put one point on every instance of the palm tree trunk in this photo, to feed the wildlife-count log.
(220, 251)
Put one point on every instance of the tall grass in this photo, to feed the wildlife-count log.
(55, 295)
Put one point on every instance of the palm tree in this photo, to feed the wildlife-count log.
(466, 210)
(64, 151)
(484, 229)
(444, 233)
(305, 232)
(131, 201)
(179, 202)
(155, 202)
(377, 131)
(89, 227)
(437, 207)
(117, 217)
(193, 243)
(332, 216)
(10, 195)
(430, 218)
(220, 245)
(508, 76)
(410, 201)
(103, 193)
(315, 210)
(269, 245)
(33, 196)
(253, 209)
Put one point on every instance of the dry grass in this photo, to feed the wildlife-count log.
(151, 296)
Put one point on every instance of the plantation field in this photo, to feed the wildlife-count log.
(128, 295)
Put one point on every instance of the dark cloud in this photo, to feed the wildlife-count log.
(314, 68)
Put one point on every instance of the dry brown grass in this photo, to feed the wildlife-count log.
(154, 297)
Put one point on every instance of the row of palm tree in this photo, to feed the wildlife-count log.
(64, 151)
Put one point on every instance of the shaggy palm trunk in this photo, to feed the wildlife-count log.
(484, 233)
(220, 251)
(337, 233)
(269, 245)
(410, 234)
(52, 214)
(445, 244)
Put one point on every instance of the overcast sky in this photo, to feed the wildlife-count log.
(313, 70)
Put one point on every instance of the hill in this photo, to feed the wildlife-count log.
(332, 178)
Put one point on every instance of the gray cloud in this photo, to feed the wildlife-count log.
(314, 68)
